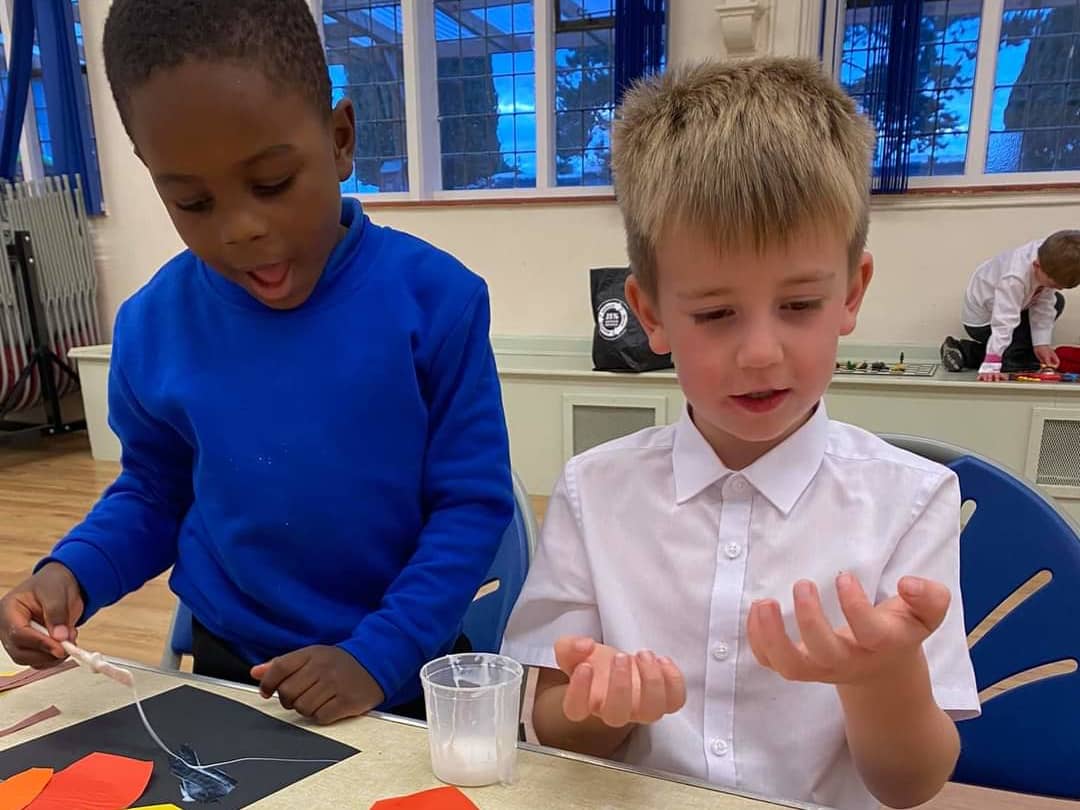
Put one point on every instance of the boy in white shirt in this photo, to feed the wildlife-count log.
(659, 605)
(1010, 307)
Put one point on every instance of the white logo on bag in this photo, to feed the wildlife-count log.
(612, 318)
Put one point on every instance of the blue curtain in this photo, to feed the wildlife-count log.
(640, 31)
(65, 94)
(20, 65)
(891, 89)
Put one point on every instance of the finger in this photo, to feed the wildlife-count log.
(278, 670)
(571, 651)
(619, 704)
(314, 699)
(55, 611)
(576, 701)
(652, 703)
(789, 661)
(867, 625)
(823, 645)
(674, 685)
(295, 685)
(332, 711)
(753, 635)
(928, 600)
(18, 614)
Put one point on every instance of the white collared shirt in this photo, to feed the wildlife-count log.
(649, 542)
(1003, 287)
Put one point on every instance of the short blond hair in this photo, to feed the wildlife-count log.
(748, 153)
(1059, 258)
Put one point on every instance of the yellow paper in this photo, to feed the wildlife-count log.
(8, 674)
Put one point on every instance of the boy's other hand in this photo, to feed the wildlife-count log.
(875, 640)
(993, 376)
(616, 687)
(1047, 356)
(321, 682)
(50, 597)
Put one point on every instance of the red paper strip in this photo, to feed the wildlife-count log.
(96, 782)
(445, 798)
(44, 714)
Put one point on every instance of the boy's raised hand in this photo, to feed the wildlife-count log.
(321, 682)
(50, 597)
(875, 639)
(616, 687)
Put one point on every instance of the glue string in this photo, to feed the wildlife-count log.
(206, 768)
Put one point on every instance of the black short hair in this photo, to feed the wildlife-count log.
(278, 37)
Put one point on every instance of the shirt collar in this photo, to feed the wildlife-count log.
(781, 475)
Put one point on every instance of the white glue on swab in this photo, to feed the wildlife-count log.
(96, 662)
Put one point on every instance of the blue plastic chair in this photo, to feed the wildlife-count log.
(487, 616)
(1028, 738)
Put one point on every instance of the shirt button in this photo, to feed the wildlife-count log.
(720, 651)
(719, 747)
(732, 550)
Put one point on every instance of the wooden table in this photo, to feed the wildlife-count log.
(394, 754)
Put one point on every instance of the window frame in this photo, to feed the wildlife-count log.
(422, 118)
(975, 176)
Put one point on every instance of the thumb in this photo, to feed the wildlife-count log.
(55, 609)
(928, 600)
(571, 651)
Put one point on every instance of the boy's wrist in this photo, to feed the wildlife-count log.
(904, 683)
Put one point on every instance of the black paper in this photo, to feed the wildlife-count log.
(215, 727)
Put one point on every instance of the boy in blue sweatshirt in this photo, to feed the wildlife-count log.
(310, 416)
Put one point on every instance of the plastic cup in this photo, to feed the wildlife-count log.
(473, 702)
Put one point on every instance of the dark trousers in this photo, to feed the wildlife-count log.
(1019, 355)
(214, 658)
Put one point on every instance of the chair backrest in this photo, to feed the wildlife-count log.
(1027, 738)
(486, 618)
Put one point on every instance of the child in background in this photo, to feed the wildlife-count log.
(1010, 307)
(660, 604)
(308, 406)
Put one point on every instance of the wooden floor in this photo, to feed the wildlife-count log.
(47, 487)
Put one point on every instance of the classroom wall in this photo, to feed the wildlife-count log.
(536, 257)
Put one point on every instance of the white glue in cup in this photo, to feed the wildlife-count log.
(473, 703)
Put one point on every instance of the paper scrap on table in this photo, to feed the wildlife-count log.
(96, 782)
(34, 719)
(16, 792)
(23, 677)
(444, 798)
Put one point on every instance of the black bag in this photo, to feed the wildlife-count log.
(619, 342)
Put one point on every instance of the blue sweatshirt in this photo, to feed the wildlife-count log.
(334, 474)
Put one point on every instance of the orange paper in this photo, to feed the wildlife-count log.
(444, 798)
(17, 791)
(96, 782)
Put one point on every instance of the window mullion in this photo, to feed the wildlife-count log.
(982, 101)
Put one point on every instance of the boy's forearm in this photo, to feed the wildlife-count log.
(904, 746)
(592, 737)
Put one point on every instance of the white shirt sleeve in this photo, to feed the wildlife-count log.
(931, 549)
(558, 598)
(1042, 313)
(1008, 303)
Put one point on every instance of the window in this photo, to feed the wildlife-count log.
(997, 87)
(486, 76)
(364, 52)
(463, 98)
(584, 91)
